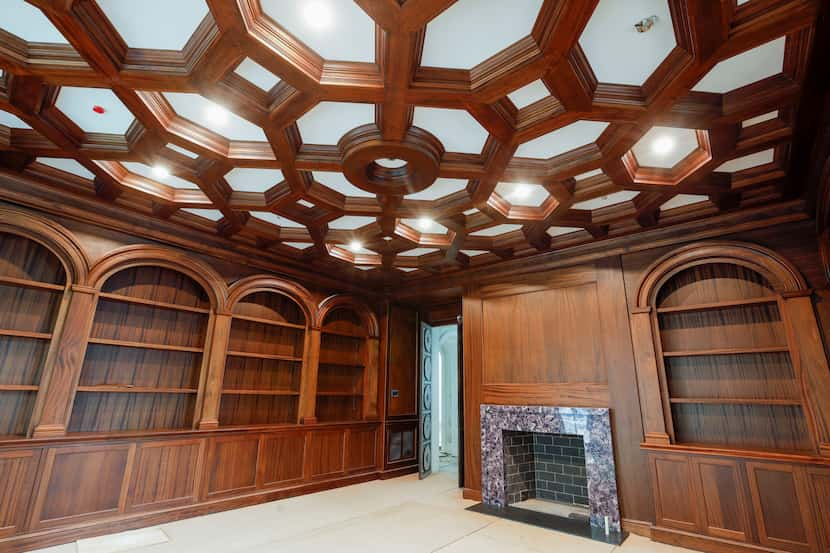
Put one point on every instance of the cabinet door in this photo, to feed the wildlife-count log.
(17, 471)
(819, 482)
(674, 495)
(722, 501)
(781, 505)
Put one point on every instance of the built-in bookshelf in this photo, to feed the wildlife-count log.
(341, 373)
(729, 374)
(145, 353)
(264, 362)
(32, 286)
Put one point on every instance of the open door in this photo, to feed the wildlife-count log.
(425, 403)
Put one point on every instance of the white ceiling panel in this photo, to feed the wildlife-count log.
(214, 117)
(665, 147)
(497, 230)
(67, 165)
(529, 94)
(339, 183)
(441, 188)
(157, 24)
(560, 141)
(606, 201)
(470, 31)
(682, 200)
(457, 130)
(184, 152)
(211, 214)
(759, 119)
(77, 103)
(12, 121)
(335, 29)
(257, 75)
(559, 231)
(521, 194)
(245, 179)
(275, 219)
(747, 162)
(616, 51)
(350, 222)
(149, 173)
(744, 69)
(327, 122)
(25, 21)
(417, 252)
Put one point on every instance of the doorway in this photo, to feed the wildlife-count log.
(441, 401)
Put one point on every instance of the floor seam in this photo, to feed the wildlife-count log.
(464, 537)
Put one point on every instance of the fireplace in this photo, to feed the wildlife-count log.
(557, 461)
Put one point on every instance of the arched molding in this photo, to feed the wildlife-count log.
(52, 236)
(264, 283)
(338, 301)
(780, 273)
(155, 256)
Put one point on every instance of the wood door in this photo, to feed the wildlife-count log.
(781, 504)
(674, 492)
(819, 482)
(722, 501)
(425, 406)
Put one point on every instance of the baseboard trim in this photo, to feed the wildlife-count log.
(66, 534)
(705, 543)
(638, 527)
(398, 472)
(474, 495)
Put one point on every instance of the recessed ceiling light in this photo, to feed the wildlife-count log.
(520, 192)
(355, 246)
(425, 223)
(216, 114)
(161, 172)
(387, 238)
(318, 15)
(663, 145)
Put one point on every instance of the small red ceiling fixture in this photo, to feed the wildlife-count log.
(99, 109)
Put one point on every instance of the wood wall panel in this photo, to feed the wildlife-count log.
(17, 471)
(819, 483)
(166, 473)
(723, 504)
(780, 500)
(82, 482)
(361, 449)
(403, 362)
(232, 465)
(325, 453)
(281, 458)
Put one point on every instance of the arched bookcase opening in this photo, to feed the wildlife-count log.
(264, 362)
(727, 366)
(33, 284)
(145, 354)
(341, 374)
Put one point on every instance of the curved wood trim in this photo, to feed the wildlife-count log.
(51, 236)
(142, 255)
(780, 273)
(824, 248)
(336, 301)
(264, 283)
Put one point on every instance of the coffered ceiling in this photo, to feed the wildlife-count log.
(391, 140)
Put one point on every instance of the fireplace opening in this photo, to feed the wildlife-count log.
(546, 473)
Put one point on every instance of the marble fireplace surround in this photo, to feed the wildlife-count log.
(593, 424)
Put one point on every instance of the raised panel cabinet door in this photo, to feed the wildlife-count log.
(281, 458)
(674, 495)
(17, 470)
(819, 482)
(781, 505)
(166, 474)
(325, 455)
(83, 482)
(232, 465)
(722, 500)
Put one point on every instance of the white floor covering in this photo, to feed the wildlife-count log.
(403, 515)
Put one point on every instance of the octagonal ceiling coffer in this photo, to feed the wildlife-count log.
(365, 160)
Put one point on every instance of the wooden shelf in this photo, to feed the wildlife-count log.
(719, 305)
(734, 401)
(128, 389)
(25, 334)
(341, 394)
(264, 356)
(726, 351)
(143, 345)
(152, 303)
(269, 322)
(344, 333)
(22, 282)
(260, 392)
(18, 388)
(342, 364)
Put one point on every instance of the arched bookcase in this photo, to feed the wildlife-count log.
(145, 354)
(347, 367)
(722, 323)
(266, 353)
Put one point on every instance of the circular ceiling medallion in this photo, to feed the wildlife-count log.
(390, 167)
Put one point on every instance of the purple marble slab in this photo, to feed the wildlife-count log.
(594, 425)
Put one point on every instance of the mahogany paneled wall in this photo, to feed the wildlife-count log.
(140, 388)
(402, 388)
